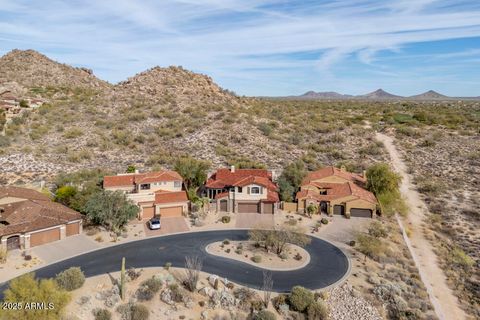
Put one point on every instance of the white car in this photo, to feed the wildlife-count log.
(154, 223)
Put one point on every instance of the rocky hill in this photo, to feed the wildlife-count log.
(175, 83)
(31, 69)
(324, 95)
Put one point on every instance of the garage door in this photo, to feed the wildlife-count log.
(223, 206)
(363, 213)
(268, 208)
(171, 212)
(148, 212)
(248, 208)
(73, 229)
(338, 209)
(43, 237)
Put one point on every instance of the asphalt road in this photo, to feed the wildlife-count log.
(327, 265)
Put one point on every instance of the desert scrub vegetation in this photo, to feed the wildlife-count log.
(70, 279)
(390, 272)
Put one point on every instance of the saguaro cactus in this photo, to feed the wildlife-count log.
(122, 280)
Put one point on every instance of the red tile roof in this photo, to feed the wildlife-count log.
(22, 193)
(162, 197)
(31, 215)
(124, 180)
(241, 177)
(332, 171)
(336, 191)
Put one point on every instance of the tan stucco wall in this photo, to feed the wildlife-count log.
(249, 197)
(161, 185)
(360, 204)
(124, 188)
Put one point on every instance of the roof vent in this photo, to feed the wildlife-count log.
(232, 169)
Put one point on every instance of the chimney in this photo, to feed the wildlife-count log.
(343, 168)
(136, 171)
(364, 174)
(232, 169)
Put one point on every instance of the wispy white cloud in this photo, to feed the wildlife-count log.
(252, 39)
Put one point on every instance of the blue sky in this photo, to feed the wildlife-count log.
(255, 47)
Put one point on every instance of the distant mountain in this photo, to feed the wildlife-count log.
(379, 94)
(324, 95)
(429, 95)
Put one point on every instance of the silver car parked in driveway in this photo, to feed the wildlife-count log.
(154, 223)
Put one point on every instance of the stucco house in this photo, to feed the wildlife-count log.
(29, 218)
(336, 191)
(242, 191)
(157, 193)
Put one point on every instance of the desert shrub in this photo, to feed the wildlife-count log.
(149, 288)
(177, 293)
(370, 246)
(226, 241)
(317, 311)
(279, 300)
(3, 255)
(133, 311)
(133, 274)
(4, 141)
(226, 219)
(459, 258)
(265, 128)
(264, 315)
(300, 298)
(257, 259)
(102, 314)
(377, 230)
(298, 257)
(324, 221)
(70, 279)
(167, 266)
(72, 133)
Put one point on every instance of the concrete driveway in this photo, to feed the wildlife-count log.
(68, 247)
(169, 225)
(254, 220)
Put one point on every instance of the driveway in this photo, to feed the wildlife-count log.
(328, 264)
(68, 247)
(169, 226)
(254, 220)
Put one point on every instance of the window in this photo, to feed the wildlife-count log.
(177, 184)
(323, 192)
(239, 189)
(145, 186)
(255, 190)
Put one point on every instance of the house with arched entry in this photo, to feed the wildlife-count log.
(29, 218)
(336, 191)
(158, 193)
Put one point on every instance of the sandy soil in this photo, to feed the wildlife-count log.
(443, 300)
(269, 261)
(158, 309)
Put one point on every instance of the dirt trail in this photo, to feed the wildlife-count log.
(444, 301)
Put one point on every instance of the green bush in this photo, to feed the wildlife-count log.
(317, 311)
(70, 279)
(226, 219)
(102, 314)
(279, 300)
(257, 259)
(264, 315)
(149, 288)
(300, 298)
(176, 292)
(226, 241)
(324, 221)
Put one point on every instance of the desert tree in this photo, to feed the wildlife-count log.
(193, 266)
